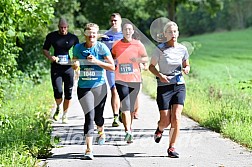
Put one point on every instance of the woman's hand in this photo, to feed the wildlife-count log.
(143, 66)
(186, 70)
(92, 59)
(163, 78)
(76, 65)
(53, 59)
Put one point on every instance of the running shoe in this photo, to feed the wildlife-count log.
(56, 114)
(115, 122)
(128, 137)
(158, 135)
(88, 155)
(172, 153)
(64, 119)
(101, 138)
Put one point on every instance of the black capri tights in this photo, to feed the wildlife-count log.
(92, 101)
(58, 77)
(128, 92)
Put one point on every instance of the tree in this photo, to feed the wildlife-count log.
(99, 11)
(142, 12)
(197, 21)
(69, 10)
(19, 20)
(241, 13)
(171, 6)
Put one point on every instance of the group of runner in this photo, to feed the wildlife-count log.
(117, 57)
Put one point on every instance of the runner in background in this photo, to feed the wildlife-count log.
(61, 72)
(113, 34)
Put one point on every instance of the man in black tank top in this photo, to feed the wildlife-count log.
(61, 72)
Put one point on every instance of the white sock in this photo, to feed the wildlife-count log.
(64, 114)
(129, 132)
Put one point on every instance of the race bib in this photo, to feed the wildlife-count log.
(63, 59)
(89, 74)
(125, 68)
(180, 79)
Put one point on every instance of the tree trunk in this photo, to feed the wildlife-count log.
(171, 9)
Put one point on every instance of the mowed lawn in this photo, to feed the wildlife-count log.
(224, 57)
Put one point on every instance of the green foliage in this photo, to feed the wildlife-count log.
(5, 121)
(31, 61)
(99, 11)
(26, 134)
(239, 12)
(171, 7)
(222, 110)
(19, 20)
(197, 22)
(209, 17)
(19, 156)
(67, 10)
(246, 85)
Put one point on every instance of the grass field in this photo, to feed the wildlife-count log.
(223, 57)
(219, 86)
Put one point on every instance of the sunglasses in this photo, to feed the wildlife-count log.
(113, 20)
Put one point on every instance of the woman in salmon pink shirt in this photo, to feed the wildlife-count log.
(128, 54)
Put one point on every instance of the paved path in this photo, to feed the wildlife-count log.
(198, 147)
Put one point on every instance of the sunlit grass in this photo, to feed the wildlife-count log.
(25, 128)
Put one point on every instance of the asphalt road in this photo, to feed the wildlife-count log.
(198, 146)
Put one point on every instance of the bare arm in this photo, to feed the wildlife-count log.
(142, 59)
(142, 53)
(47, 55)
(107, 65)
(186, 66)
(153, 70)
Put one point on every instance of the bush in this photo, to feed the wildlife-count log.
(25, 133)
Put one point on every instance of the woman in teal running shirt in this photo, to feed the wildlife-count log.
(94, 58)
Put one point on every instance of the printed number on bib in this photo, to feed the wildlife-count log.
(88, 73)
(63, 59)
(126, 68)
